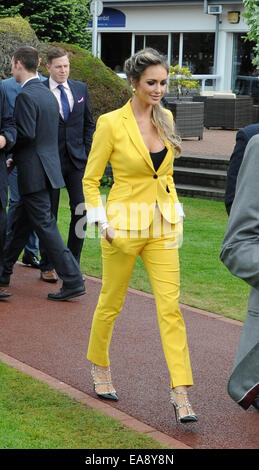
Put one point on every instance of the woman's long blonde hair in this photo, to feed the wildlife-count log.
(134, 67)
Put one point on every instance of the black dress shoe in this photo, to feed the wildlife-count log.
(4, 280)
(255, 403)
(66, 294)
(29, 259)
(4, 294)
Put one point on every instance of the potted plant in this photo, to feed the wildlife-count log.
(188, 114)
(181, 81)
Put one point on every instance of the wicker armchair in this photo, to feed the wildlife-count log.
(255, 113)
(188, 117)
(227, 111)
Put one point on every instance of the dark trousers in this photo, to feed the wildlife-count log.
(35, 211)
(73, 181)
(3, 222)
(32, 244)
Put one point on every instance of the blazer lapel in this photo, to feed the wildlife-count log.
(46, 83)
(132, 128)
(75, 97)
(167, 156)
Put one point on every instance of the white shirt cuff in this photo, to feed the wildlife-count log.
(96, 214)
(179, 208)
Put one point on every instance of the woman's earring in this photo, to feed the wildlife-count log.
(133, 89)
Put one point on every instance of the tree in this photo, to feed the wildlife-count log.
(9, 11)
(55, 20)
(81, 37)
(252, 16)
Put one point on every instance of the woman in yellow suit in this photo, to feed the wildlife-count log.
(142, 217)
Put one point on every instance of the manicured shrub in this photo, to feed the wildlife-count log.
(14, 32)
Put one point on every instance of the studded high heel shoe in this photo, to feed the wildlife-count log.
(187, 418)
(106, 381)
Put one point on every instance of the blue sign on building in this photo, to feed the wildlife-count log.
(111, 18)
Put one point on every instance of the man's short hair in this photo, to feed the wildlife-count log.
(55, 53)
(28, 56)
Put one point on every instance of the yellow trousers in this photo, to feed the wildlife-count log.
(160, 256)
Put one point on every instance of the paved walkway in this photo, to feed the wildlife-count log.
(49, 340)
(216, 143)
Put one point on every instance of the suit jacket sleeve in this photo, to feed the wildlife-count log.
(89, 125)
(240, 249)
(98, 158)
(233, 169)
(25, 116)
(8, 129)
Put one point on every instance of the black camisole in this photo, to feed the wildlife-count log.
(158, 157)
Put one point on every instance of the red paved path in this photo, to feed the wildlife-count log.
(52, 337)
(216, 143)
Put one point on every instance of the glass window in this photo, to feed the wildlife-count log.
(245, 80)
(160, 43)
(198, 52)
(116, 48)
(139, 42)
(175, 48)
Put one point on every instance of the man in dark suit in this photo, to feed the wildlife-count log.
(30, 256)
(7, 140)
(76, 127)
(37, 159)
(242, 138)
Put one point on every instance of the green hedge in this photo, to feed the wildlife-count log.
(14, 32)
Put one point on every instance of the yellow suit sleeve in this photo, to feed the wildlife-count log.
(99, 156)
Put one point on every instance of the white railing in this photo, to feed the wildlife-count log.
(246, 84)
(204, 78)
(121, 75)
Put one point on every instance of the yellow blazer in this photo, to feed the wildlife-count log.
(137, 186)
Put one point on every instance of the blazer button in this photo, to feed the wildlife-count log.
(155, 177)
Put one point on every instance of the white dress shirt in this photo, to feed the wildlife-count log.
(53, 86)
(28, 79)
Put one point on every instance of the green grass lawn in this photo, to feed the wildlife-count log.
(35, 416)
(205, 282)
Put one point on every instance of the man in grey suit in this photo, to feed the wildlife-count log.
(240, 254)
(39, 171)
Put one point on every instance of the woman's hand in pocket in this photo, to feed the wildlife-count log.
(109, 234)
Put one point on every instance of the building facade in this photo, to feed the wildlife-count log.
(207, 36)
